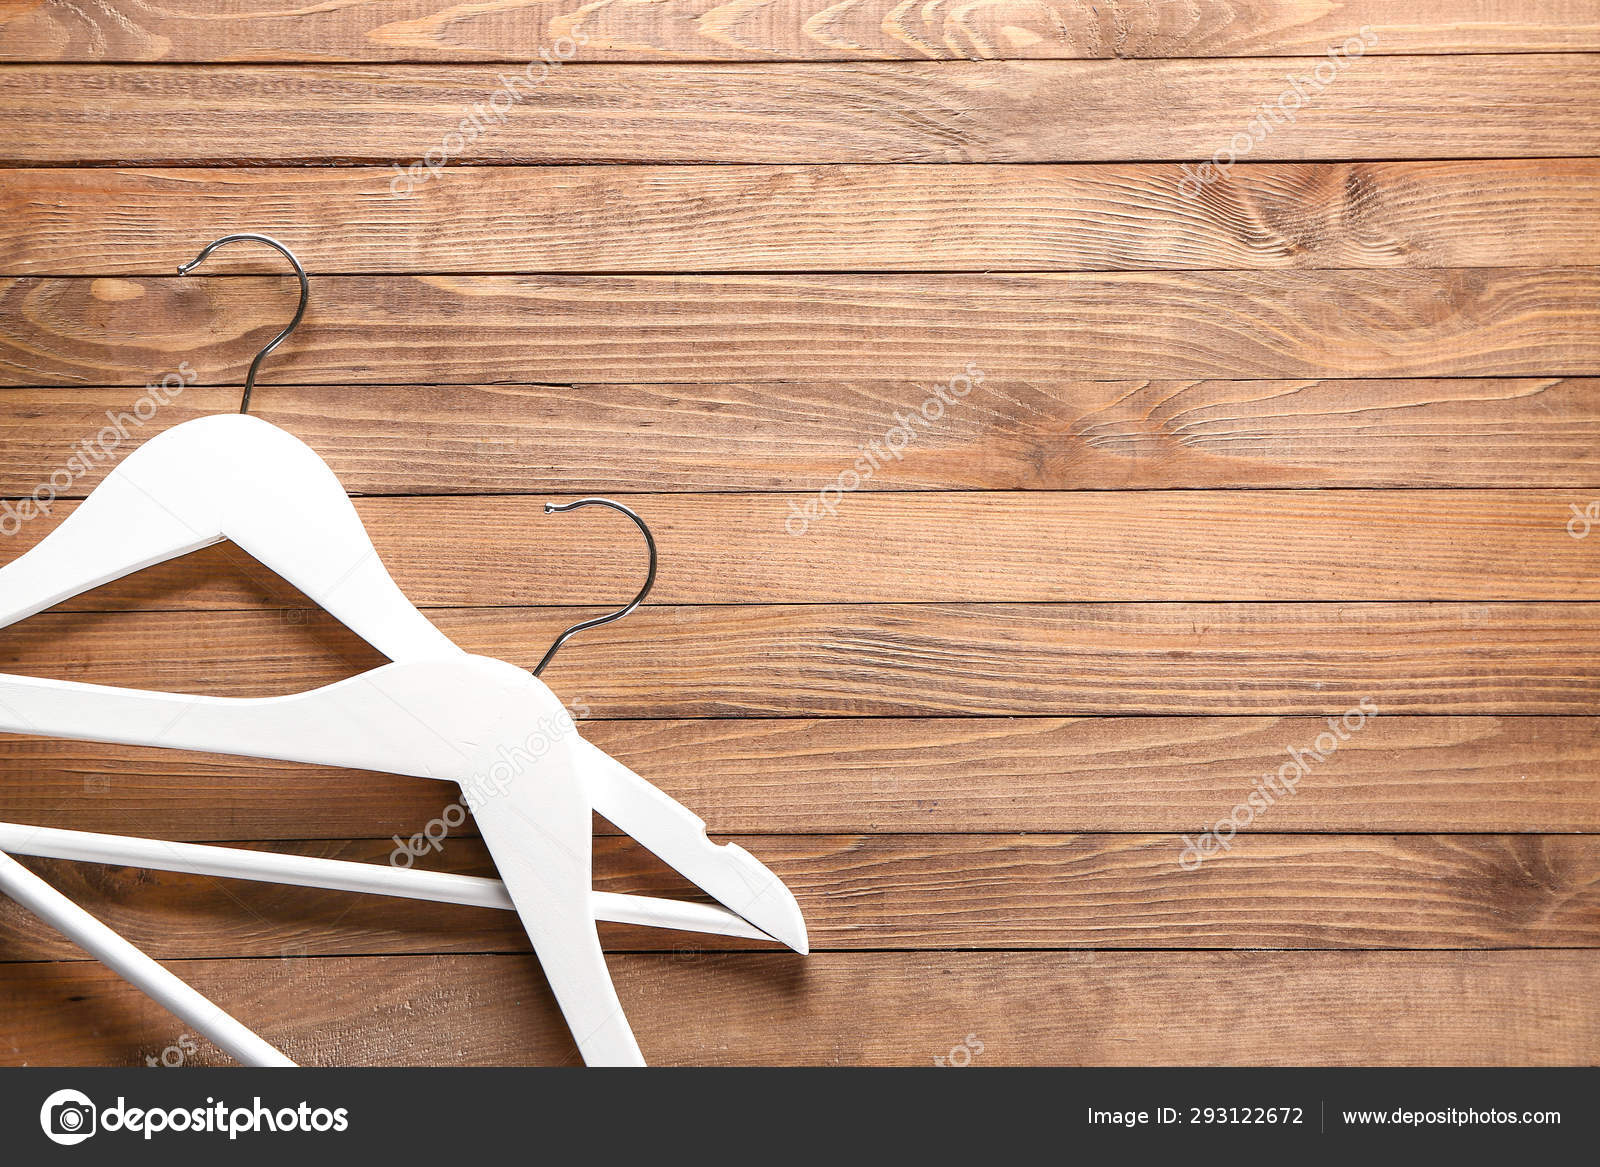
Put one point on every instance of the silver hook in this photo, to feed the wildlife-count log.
(649, 579)
(305, 294)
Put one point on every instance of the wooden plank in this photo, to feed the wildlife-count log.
(906, 660)
(918, 892)
(895, 547)
(793, 30)
(1014, 435)
(921, 328)
(885, 775)
(963, 111)
(810, 218)
(1026, 1008)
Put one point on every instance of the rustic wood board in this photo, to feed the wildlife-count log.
(1041, 1008)
(800, 30)
(929, 892)
(923, 330)
(895, 548)
(1043, 434)
(811, 218)
(906, 660)
(1535, 105)
(933, 776)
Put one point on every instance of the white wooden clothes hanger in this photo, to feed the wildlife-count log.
(239, 478)
(435, 712)
(106, 945)
(343, 875)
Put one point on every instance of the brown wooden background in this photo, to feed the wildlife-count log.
(1237, 463)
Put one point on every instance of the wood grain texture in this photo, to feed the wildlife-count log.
(1497, 106)
(897, 547)
(775, 30)
(887, 775)
(1045, 434)
(810, 218)
(923, 328)
(916, 892)
(905, 660)
(1028, 1008)
(971, 729)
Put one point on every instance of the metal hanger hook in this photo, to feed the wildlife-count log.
(305, 295)
(649, 579)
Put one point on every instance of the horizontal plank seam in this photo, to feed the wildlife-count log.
(66, 609)
(497, 62)
(779, 954)
(1286, 833)
(902, 493)
(927, 65)
(1123, 379)
(780, 272)
(364, 161)
(1133, 275)
(1282, 712)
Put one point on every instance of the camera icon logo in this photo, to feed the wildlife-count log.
(68, 1117)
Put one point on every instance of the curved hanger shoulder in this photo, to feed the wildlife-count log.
(231, 477)
(420, 718)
